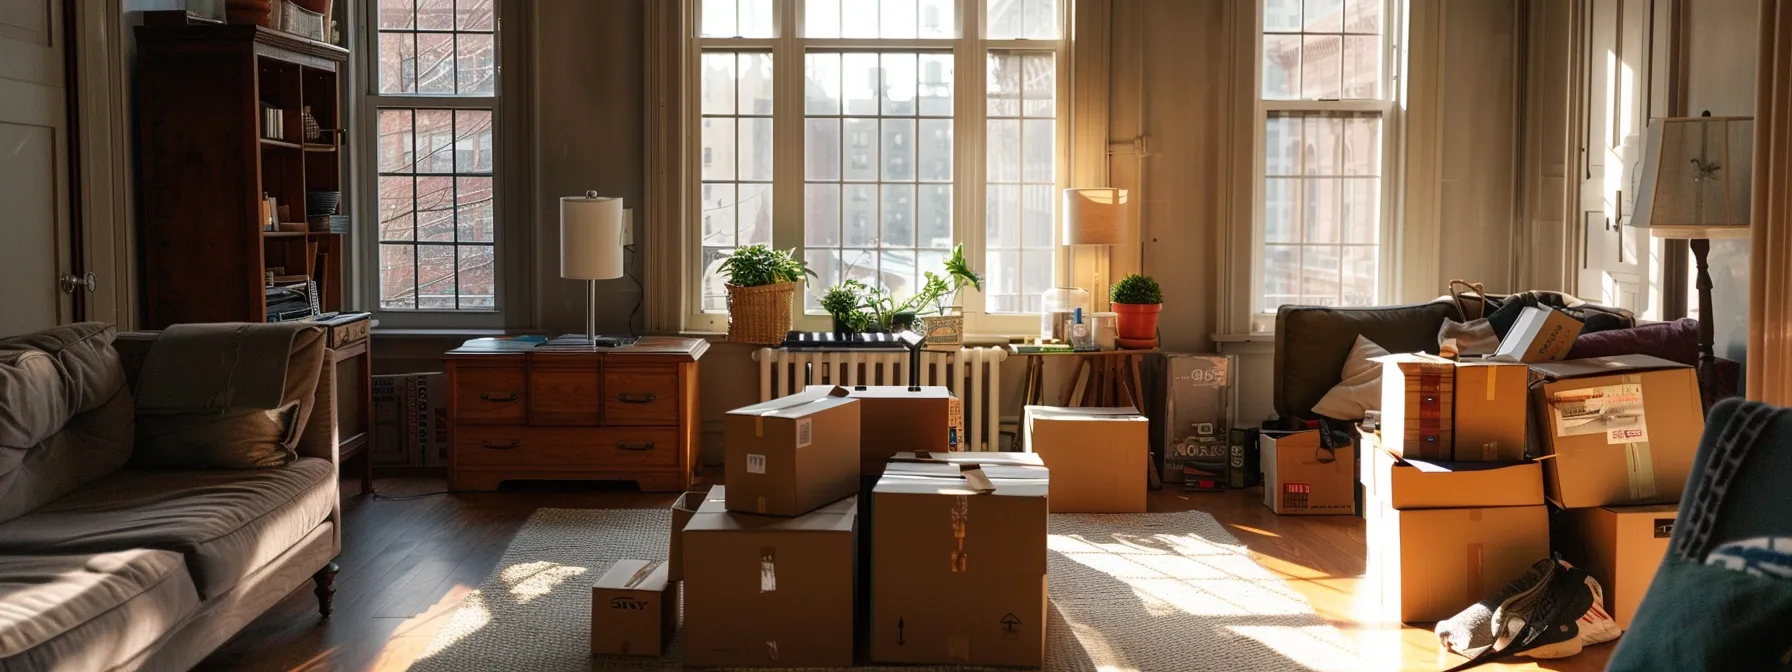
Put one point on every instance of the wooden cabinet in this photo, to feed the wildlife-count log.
(522, 413)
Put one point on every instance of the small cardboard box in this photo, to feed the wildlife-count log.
(1300, 477)
(1099, 454)
(958, 561)
(1417, 404)
(410, 419)
(769, 591)
(1419, 484)
(790, 456)
(634, 608)
(1621, 430)
(1433, 563)
(1492, 399)
(893, 418)
(683, 508)
(1541, 334)
(1621, 546)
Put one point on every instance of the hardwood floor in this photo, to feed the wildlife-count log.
(407, 563)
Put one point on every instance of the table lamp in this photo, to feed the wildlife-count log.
(1095, 216)
(1695, 186)
(590, 250)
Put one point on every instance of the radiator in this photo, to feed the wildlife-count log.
(973, 374)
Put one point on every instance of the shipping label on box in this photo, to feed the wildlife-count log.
(958, 561)
(634, 609)
(1302, 477)
(1618, 430)
(1099, 454)
(768, 591)
(789, 456)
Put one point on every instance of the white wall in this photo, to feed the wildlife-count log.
(1722, 56)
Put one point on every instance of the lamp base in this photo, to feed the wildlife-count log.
(583, 341)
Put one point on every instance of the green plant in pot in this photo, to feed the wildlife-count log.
(1137, 299)
(760, 283)
(843, 303)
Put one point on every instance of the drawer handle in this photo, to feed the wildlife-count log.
(500, 446)
(636, 398)
(499, 397)
(624, 445)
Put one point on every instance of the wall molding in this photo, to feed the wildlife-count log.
(1770, 285)
(102, 119)
(666, 136)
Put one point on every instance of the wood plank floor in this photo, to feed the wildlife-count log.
(407, 563)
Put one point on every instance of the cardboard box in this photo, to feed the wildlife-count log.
(1417, 405)
(1300, 477)
(893, 419)
(1620, 546)
(1100, 455)
(769, 591)
(410, 420)
(958, 561)
(1541, 334)
(1621, 430)
(634, 609)
(1245, 466)
(1492, 401)
(1418, 484)
(683, 508)
(1200, 409)
(1433, 563)
(790, 456)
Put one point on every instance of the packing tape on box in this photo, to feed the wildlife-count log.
(1639, 459)
(768, 570)
(1471, 585)
(961, 519)
(758, 426)
(1492, 379)
(642, 574)
(958, 647)
(977, 480)
(771, 648)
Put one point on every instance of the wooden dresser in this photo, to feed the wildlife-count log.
(629, 413)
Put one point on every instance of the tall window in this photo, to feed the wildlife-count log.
(1327, 101)
(433, 98)
(840, 128)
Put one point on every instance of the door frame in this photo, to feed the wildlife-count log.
(101, 165)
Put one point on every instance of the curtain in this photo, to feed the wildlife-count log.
(1770, 291)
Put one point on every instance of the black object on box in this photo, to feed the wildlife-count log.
(1244, 465)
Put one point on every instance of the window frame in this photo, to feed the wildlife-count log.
(367, 102)
(1389, 106)
(969, 51)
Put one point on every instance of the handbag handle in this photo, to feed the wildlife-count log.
(1480, 291)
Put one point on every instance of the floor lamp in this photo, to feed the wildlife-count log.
(1095, 216)
(590, 250)
(1695, 186)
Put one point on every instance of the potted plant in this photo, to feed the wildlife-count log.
(946, 329)
(760, 283)
(842, 302)
(1137, 299)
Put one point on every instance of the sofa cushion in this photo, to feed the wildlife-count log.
(227, 523)
(65, 414)
(229, 395)
(1359, 387)
(1312, 343)
(89, 612)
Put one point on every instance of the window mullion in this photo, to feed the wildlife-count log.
(970, 100)
(787, 139)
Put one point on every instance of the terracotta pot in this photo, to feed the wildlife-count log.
(1138, 320)
(254, 12)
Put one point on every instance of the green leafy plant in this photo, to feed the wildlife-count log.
(756, 265)
(1136, 289)
(843, 301)
(960, 274)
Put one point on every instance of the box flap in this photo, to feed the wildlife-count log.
(1413, 358)
(894, 392)
(1098, 414)
(942, 478)
(1454, 467)
(813, 399)
(648, 575)
(1602, 366)
(836, 517)
(970, 457)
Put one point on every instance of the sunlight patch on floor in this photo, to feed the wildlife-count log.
(472, 616)
(1318, 647)
(530, 580)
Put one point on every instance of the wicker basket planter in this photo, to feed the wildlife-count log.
(760, 314)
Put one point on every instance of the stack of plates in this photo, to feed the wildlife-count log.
(322, 202)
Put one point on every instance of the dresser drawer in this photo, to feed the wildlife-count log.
(585, 448)
(640, 395)
(563, 396)
(489, 395)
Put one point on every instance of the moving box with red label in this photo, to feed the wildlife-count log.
(1491, 399)
(1541, 334)
(1417, 404)
(1100, 456)
(958, 560)
(1302, 477)
(1618, 430)
(894, 418)
(769, 591)
(1621, 546)
(790, 456)
(634, 608)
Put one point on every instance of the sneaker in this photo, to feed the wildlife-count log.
(1541, 615)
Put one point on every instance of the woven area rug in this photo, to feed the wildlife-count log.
(1157, 591)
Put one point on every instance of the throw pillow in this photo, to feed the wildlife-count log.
(1474, 337)
(1360, 389)
(1676, 341)
(236, 438)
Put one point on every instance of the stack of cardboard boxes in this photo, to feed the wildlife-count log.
(847, 531)
(1454, 509)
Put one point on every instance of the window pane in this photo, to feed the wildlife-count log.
(1362, 67)
(1362, 145)
(858, 18)
(398, 277)
(717, 89)
(821, 18)
(1003, 216)
(473, 210)
(1360, 276)
(718, 148)
(754, 213)
(1324, 204)
(755, 148)
(1021, 166)
(755, 84)
(1362, 211)
(1037, 202)
(1024, 19)
(1039, 85)
(1038, 136)
(899, 150)
(1280, 202)
(1281, 67)
(898, 19)
(860, 83)
(935, 85)
(1004, 150)
(718, 18)
(473, 141)
(399, 14)
(473, 15)
(859, 146)
(1324, 16)
(435, 208)
(1281, 15)
(435, 141)
(756, 19)
(398, 216)
(826, 264)
(1322, 209)
(396, 152)
(1319, 275)
(1282, 145)
(435, 63)
(435, 14)
(821, 149)
(477, 273)
(1363, 16)
(477, 62)
(1281, 276)
(1321, 66)
(398, 63)
(933, 144)
(898, 216)
(859, 218)
(933, 217)
(712, 292)
(821, 215)
(1322, 153)
(716, 205)
(1004, 84)
(435, 277)
(899, 84)
(821, 90)
(939, 19)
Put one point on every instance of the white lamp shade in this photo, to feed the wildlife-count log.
(1697, 173)
(590, 238)
(1094, 216)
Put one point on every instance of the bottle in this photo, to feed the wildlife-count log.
(1080, 337)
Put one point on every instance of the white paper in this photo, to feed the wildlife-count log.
(755, 464)
(1613, 410)
(805, 432)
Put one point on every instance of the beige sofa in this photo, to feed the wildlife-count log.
(106, 566)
